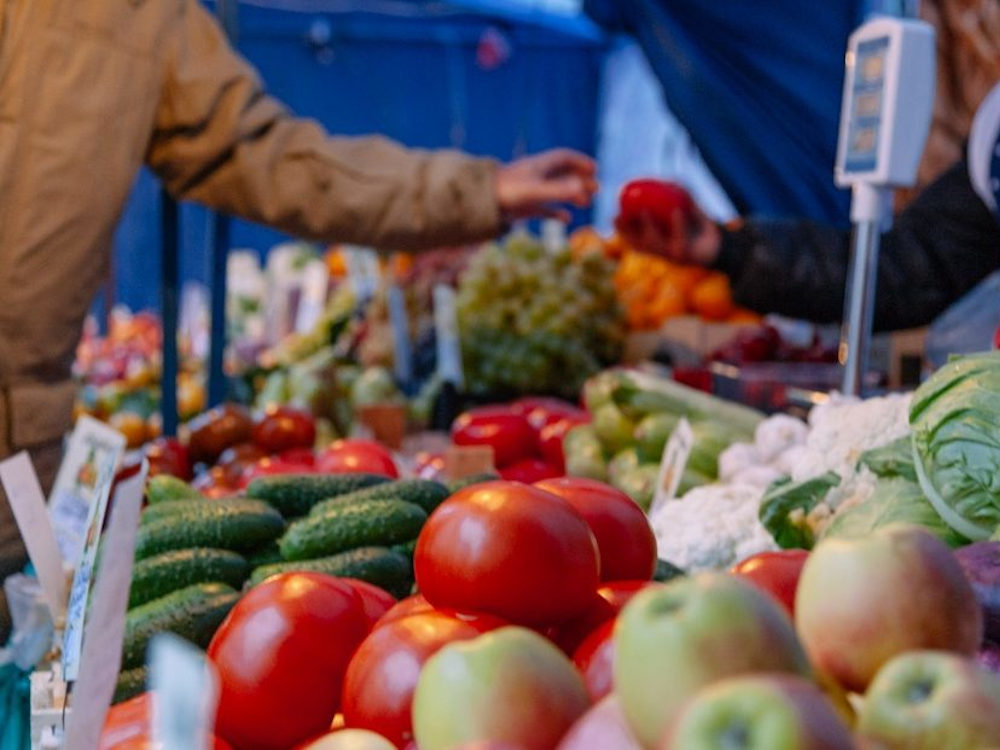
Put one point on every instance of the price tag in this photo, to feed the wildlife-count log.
(92, 445)
(400, 321)
(676, 453)
(461, 461)
(449, 348)
(185, 694)
(79, 593)
(102, 647)
(312, 300)
(24, 493)
(387, 423)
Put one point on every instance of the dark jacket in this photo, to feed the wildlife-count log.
(937, 249)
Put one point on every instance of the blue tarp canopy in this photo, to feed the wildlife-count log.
(757, 85)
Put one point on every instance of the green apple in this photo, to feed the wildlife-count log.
(861, 601)
(509, 685)
(930, 700)
(758, 712)
(603, 726)
(672, 640)
(350, 739)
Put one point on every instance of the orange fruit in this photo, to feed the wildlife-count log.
(131, 425)
(712, 298)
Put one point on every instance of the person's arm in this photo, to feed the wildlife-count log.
(221, 141)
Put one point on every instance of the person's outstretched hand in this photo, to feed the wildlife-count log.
(661, 219)
(540, 185)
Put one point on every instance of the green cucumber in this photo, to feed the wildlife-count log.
(426, 493)
(164, 487)
(265, 555)
(376, 565)
(194, 613)
(130, 683)
(234, 523)
(168, 508)
(364, 523)
(295, 494)
(158, 575)
(406, 548)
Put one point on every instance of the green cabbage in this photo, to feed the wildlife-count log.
(955, 418)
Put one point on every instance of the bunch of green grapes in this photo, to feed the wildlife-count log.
(534, 321)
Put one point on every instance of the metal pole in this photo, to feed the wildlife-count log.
(219, 252)
(859, 306)
(169, 270)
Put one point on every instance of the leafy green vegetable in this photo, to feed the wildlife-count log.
(955, 418)
(786, 504)
(895, 500)
(892, 460)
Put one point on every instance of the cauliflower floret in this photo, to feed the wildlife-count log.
(737, 458)
(711, 528)
(757, 476)
(778, 433)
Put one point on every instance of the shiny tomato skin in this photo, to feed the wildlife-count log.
(551, 441)
(354, 455)
(375, 601)
(624, 537)
(652, 200)
(411, 605)
(542, 410)
(529, 471)
(608, 602)
(213, 431)
(281, 654)
(511, 550)
(776, 573)
(168, 455)
(275, 465)
(509, 434)
(382, 675)
(594, 658)
(282, 428)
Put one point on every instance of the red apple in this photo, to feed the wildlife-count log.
(603, 726)
(862, 601)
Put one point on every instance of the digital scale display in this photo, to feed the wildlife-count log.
(866, 106)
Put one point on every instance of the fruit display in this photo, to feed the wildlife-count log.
(534, 321)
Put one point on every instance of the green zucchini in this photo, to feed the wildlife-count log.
(364, 523)
(194, 613)
(426, 493)
(376, 565)
(160, 574)
(130, 683)
(295, 494)
(235, 523)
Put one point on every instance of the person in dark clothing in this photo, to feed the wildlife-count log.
(938, 248)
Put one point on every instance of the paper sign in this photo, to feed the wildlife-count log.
(102, 646)
(387, 423)
(449, 349)
(461, 461)
(676, 453)
(185, 694)
(402, 351)
(92, 445)
(24, 493)
(79, 593)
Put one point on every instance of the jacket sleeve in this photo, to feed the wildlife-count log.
(221, 141)
(938, 248)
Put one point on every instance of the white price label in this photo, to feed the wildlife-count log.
(676, 453)
(449, 348)
(185, 694)
(24, 493)
(105, 628)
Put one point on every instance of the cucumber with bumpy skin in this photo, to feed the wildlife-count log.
(295, 494)
(167, 508)
(364, 523)
(130, 683)
(159, 575)
(238, 524)
(164, 488)
(194, 613)
(376, 565)
(425, 493)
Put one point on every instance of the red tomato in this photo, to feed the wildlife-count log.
(357, 456)
(381, 678)
(281, 654)
(541, 411)
(168, 456)
(777, 573)
(508, 549)
(237, 458)
(595, 660)
(529, 471)
(216, 429)
(608, 602)
(651, 200)
(282, 428)
(624, 536)
(375, 601)
(411, 605)
(551, 439)
(509, 434)
(270, 465)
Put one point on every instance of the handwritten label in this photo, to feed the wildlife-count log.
(185, 694)
(79, 593)
(24, 493)
(461, 461)
(676, 453)
(92, 445)
(402, 350)
(102, 645)
(449, 348)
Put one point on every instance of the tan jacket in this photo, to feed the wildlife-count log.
(92, 89)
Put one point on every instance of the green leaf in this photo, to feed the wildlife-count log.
(778, 510)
